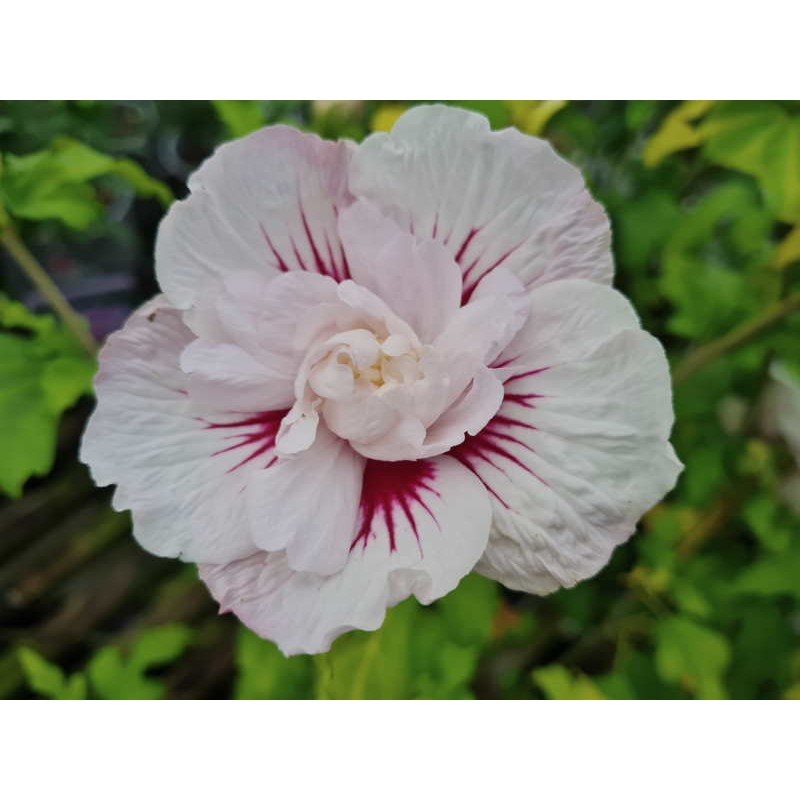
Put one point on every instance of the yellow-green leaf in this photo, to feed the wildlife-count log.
(264, 673)
(788, 250)
(532, 116)
(692, 656)
(558, 683)
(42, 374)
(43, 677)
(240, 117)
(761, 139)
(385, 116)
(55, 183)
(676, 132)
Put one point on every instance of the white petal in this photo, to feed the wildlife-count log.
(503, 283)
(487, 324)
(369, 305)
(565, 320)
(422, 526)
(363, 418)
(332, 379)
(492, 198)
(468, 415)
(225, 377)
(264, 315)
(403, 441)
(396, 345)
(266, 203)
(419, 280)
(360, 344)
(181, 475)
(298, 428)
(579, 450)
(308, 505)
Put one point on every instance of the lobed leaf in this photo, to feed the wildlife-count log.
(42, 373)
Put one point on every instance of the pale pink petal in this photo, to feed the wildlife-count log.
(389, 422)
(402, 441)
(369, 305)
(488, 323)
(565, 321)
(298, 429)
(579, 449)
(360, 419)
(492, 198)
(422, 526)
(265, 315)
(247, 357)
(266, 203)
(307, 505)
(419, 280)
(501, 283)
(225, 377)
(181, 474)
(468, 415)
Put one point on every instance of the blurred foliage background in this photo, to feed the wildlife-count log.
(704, 602)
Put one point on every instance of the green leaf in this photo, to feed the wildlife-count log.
(112, 679)
(446, 671)
(76, 688)
(643, 227)
(772, 576)
(42, 373)
(558, 683)
(418, 652)
(638, 113)
(468, 612)
(763, 140)
(55, 183)
(115, 677)
(240, 117)
(496, 111)
(762, 647)
(264, 673)
(690, 599)
(371, 666)
(32, 189)
(385, 116)
(770, 521)
(43, 677)
(691, 655)
(532, 116)
(676, 132)
(788, 250)
(143, 184)
(47, 679)
(634, 678)
(158, 646)
(720, 241)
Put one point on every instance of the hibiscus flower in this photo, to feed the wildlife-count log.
(376, 368)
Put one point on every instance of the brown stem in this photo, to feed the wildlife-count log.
(702, 356)
(73, 321)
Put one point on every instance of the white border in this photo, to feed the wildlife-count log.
(369, 750)
(423, 49)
